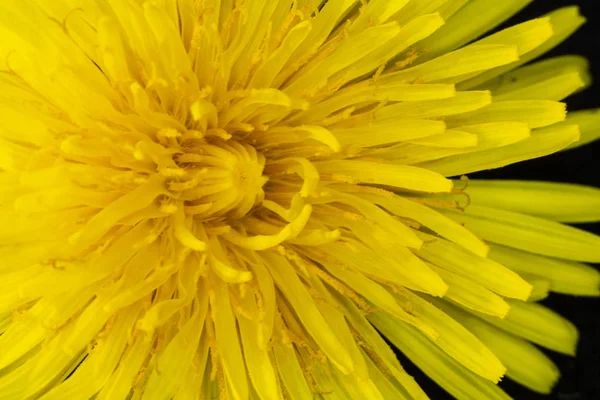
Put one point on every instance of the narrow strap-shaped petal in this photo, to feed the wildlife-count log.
(471, 295)
(529, 233)
(470, 21)
(453, 338)
(172, 366)
(553, 79)
(536, 113)
(448, 373)
(589, 124)
(524, 363)
(541, 143)
(404, 207)
(564, 276)
(480, 270)
(405, 383)
(449, 67)
(227, 338)
(287, 280)
(539, 325)
(399, 176)
(563, 202)
(564, 22)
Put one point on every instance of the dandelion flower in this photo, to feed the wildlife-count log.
(209, 199)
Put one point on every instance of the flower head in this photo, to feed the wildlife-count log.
(230, 199)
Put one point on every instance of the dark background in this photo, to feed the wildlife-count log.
(580, 378)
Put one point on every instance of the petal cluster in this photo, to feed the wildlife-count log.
(234, 199)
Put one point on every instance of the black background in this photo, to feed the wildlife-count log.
(580, 378)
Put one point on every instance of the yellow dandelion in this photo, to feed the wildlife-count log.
(218, 199)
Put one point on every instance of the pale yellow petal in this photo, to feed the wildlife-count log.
(563, 202)
(564, 276)
(564, 22)
(589, 125)
(448, 373)
(287, 280)
(449, 68)
(379, 348)
(480, 270)
(404, 207)
(539, 325)
(400, 176)
(524, 363)
(175, 361)
(536, 113)
(542, 142)
(540, 286)
(453, 338)
(227, 338)
(529, 233)
(552, 79)
(290, 371)
(470, 21)
(471, 295)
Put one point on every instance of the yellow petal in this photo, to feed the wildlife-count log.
(524, 363)
(552, 79)
(380, 297)
(563, 202)
(388, 131)
(417, 8)
(413, 32)
(397, 265)
(536, 113)
(448, 68)
(350, 52)
(379, 348)
(261, 371)
(404, 207)
(480, 270)
(452, 138)
(539, 325)
(540, 286)
(529, 233)
(453, 338)
(358, 94)
(400, 176)
(290, 371)
(470, 21)
(286, 278)
(176, 359)
(118, 386)
(492, 135)
(541, 142)
(564, 22)
(50, 312)
(567, 277)
(227, 338)
(462, 102)
(589, 124)
(377, 12)
(383, 383)
(443, 369)
(471, 295)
